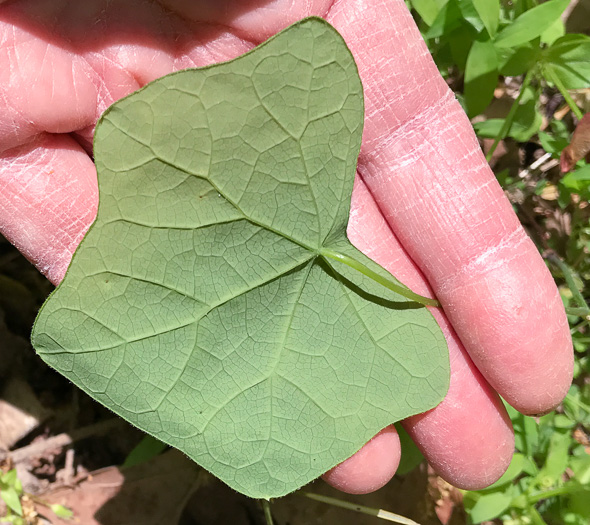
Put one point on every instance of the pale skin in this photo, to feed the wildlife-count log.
(425, 205)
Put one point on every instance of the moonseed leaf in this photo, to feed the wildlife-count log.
(206, 305)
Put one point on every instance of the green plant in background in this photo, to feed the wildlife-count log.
(481, 40)
(476, 44)
(549, 476)
(11, 491)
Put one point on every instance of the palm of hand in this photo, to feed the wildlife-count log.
(62, 64)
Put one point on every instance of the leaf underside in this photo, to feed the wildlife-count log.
(199, 306)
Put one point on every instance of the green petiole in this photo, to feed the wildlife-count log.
(389, 284)
(267, 512)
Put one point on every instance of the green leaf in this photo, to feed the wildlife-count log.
(428, 9)
(518, 61)
(481, 76)
(489, 506)
(148, 448)
(528, 119)
(447, 19)
(531, 24)
(578, 181)
(526, 123)
(488, 129)
(10, 477)
(470, 14)
(12, 500)
(460, 41)
(581, 469)
(531, 435)
(552, 143)
(61, 512)
(489, 12)
(567, 58)
(579, 503)
(553, 32)
(516, 467)
(211, 304)
(14, 519)
(411, 456)
(557, 458)
(562, 421)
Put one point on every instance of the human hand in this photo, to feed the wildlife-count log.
(423, 184)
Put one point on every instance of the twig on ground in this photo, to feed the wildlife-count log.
(60, 441)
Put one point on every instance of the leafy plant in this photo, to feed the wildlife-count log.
(11, 491)
(550, 467)
(482, 40)
(216, 302)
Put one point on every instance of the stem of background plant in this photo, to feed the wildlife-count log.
(569, 488)
(569, 279)
(536, 518)
(565, 93)
(267, 513)
(395, 287)
(383, 514)
(580, 312)
(510, 117)
(581, 405)
(583, 323)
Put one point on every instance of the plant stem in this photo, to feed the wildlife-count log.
(565, 93)
(510, 117)
(580, 325)
(536, 517)
(569, 279)
(379, 513)
(267, 513)
(580, 312)
(389, 284)
(581, 405)
(566, 489)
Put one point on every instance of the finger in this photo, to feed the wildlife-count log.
(48, 199)
(428, 176)
(371, 467)
(252, 20)
(38, 81)
(468, 437)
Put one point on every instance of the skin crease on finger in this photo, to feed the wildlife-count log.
(399, 140)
